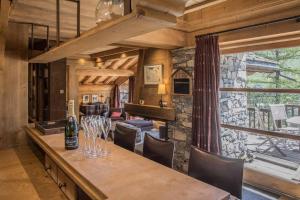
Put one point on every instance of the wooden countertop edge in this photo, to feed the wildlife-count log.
(81, 181)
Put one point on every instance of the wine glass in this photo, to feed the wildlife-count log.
(105, 126)
(85, 133)
(93, 129)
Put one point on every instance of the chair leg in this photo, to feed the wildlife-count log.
(274, 145)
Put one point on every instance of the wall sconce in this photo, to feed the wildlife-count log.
(81, 61)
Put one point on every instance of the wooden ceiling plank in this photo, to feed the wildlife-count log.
(261, 42)
(286, 28)
(263, 47)
(110, 32)
(237, 13)
(202, 5)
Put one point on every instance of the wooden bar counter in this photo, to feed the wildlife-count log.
(123, 175)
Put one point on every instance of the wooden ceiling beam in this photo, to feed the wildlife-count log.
(95, 79)
(132, 67)
(144, 20)
(236, 13)
(85, 79)
(103, 72)
(164, 39)
(116, 51)
(109, 55)
(121, 80)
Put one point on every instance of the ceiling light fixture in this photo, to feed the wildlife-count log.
(123, 55)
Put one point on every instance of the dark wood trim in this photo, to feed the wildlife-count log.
(269, 90)
(262, 132)
(164, 114)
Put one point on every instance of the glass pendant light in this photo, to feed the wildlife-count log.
(109, 9)
(117, 8)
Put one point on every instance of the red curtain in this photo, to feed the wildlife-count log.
(205, 118)
(131, 88)
(115, 103)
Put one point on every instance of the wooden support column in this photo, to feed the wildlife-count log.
(73, 86)
(139, 82)
(4, 11)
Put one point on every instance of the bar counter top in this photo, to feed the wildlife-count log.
(123, 175)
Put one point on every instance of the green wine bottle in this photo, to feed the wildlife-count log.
(71, 128)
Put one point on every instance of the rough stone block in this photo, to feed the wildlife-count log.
(179, 136)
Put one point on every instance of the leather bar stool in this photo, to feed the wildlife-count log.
(125, 137)
(221, 172)
(158, 150)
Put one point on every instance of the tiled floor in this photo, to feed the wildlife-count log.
(22, 176)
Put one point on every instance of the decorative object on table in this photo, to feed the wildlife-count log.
(95, 127)
(86, 99)
(71, 129)
(182, 80)
(101, 98)
(109, 9)
(141, 102)
(153, 74)
(95, 98)
(161, 91)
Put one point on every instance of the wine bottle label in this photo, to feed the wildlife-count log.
(71, 142)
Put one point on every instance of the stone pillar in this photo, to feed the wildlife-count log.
(233, 105)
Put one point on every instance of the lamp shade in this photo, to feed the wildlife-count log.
(161, 89)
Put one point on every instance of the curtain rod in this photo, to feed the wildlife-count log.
(297, 18)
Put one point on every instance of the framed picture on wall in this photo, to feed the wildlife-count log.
(86, 99)
(95, 98)
(153, 74)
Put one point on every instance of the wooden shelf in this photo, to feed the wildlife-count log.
(151, 112)
(141, 21)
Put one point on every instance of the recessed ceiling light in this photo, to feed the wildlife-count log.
(123, 55)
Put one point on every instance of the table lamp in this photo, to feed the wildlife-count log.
(161, 91)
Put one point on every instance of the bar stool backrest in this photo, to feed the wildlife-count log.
(221, 172)
(125, 137)
(158, 150)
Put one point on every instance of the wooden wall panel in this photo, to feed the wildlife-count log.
(14, 89)
(149, 92)
(4, 5)
(57, 98)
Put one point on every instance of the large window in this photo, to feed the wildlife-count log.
(260, 108)
(124, 88)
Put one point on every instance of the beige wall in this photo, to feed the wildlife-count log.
(149, 92)
(104, 90)
(14, 86)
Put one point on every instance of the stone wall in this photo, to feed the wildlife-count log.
(233, 105)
